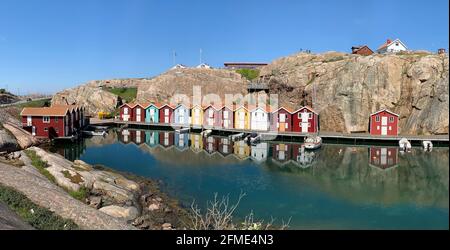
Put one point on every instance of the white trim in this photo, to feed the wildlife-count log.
(388, 111)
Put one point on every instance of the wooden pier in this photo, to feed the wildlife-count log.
(328, 137)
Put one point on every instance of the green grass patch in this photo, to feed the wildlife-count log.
(249, 74)
(35, 104)
(40, 165)
(127, 94)
(77, 179)
(81, 194)
(37, 216)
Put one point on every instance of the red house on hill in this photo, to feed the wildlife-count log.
(384, 122)
(53, 122)
(281, 120)
(305, 120)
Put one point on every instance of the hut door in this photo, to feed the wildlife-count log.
(138, 115)
(384, 123)
(282, 124)
(305, 122)
(33, 131)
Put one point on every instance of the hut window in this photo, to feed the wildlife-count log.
(225, 114)
(46, 129)
(377, 118)
(310, 115)
(56, 119)
(125, 111)
(46, 119)
(391, 119)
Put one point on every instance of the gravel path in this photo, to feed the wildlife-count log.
(44, 193)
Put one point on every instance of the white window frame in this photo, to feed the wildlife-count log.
(46, 119)
(377, 118)
(391, 119)
(45, 129)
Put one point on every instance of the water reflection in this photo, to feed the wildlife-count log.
(360, 174)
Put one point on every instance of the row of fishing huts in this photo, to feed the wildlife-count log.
(303, 120)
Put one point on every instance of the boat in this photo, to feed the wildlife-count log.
(313, 142)
(404, 145)
(237, 137)
(252, 138)
(206, 133)
(427, 146)
(94, 133)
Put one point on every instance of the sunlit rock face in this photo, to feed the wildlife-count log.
(345, 89)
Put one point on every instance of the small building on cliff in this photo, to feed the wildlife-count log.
(305, 120)
(384, 123)
(363, 50)
(392, 46)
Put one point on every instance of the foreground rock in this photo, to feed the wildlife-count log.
(10, 221)
(23, 137)
(7, 142)
(44, 193)
(126, 199)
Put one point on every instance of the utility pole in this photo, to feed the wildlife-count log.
(174, 58)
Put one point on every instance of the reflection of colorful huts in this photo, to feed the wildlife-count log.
(259, 152)
(383, 157)
(305, 120)
(225, 146)
(281, 120)
(126, 112)
(152, 113)
(166, 139)
(181, 115)
(211, 144)
(301, 157)
(197, 115)
(125, 136)
(166, 114)
(241, 150)
(227, 117)
(281, 153)
(181, 141)
(259, 119)
(212, 117)
(196, 143)
(139, 137)
(384, 122)
(242, 118)
(151, 138)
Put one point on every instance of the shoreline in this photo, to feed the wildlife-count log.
(93, 196)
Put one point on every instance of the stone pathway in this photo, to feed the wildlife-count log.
(44, 193)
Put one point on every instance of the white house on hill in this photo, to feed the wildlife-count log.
(204, 66)
(179, 66)
(392, 46)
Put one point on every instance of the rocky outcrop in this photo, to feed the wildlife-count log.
(24, 138)
(44, 193)
(126, 213)
(345, 89)
(8, 98)
(7, 142)
(94, 99)
(10, 221)
(182, 81)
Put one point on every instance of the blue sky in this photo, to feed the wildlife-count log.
(50, 45)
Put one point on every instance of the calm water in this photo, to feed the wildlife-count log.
(336, 187)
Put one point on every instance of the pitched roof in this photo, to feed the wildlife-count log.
(384, 110)
(389, 42)
(287, 109)
(305, 107)
(46, 111)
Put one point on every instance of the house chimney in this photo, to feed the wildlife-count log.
(388, 41)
